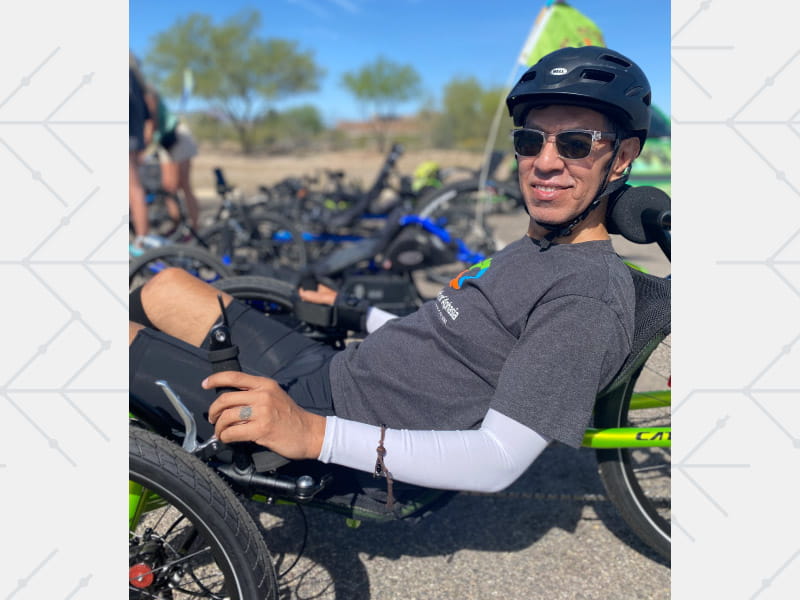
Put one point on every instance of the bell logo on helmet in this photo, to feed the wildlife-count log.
(558, 71)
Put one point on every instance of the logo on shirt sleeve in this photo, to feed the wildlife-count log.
(476, 271)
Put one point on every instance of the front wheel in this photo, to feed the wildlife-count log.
(637, 480)
(190, 537)
(192, 259)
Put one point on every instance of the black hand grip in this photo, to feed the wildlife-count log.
(308, 282)
(222, 352)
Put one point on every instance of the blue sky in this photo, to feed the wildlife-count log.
(442, 39)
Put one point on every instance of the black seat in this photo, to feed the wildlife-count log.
(638, 215)
(652, 323)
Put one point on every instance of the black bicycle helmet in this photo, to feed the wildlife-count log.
(590, 76)
(596, 78)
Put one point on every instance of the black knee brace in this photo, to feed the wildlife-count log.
(136, 310)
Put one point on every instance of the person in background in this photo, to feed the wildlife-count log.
(176, 147)
(138, 115)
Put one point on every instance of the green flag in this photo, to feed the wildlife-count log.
(559, 25)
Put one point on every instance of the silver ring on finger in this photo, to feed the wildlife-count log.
(245, 412)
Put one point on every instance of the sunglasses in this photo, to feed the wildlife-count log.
(571, 144)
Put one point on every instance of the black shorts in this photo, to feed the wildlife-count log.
(266, 347)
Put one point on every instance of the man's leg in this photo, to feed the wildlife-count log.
(184, 309)
(181, 305)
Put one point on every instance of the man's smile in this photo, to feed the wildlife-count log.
(542, 191)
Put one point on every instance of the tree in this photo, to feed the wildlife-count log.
(467, 113)
(383, 84)
(293, 128)
(237, 72)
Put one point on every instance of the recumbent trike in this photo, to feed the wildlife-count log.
(190, 535)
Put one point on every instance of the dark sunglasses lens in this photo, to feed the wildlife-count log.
(574, 144)
(527, 142)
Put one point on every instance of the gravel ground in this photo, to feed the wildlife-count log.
(551, 535)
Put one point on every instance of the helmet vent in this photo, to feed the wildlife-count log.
(597, 75)
(616, 59)
(634, 91)
(529, 76)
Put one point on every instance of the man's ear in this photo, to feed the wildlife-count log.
(629, 149)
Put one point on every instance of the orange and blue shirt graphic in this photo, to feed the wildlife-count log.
(476, 271)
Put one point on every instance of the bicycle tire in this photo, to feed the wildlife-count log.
(276, 298)
(263, 288)
(200, 541)
(267, 295)
(455, 207)
(197, 261)
(262, 241)
(162, 222)
(637, 480)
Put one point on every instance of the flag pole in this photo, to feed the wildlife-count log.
(522, 59)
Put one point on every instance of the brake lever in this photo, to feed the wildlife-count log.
(211, 447)
(205, 450)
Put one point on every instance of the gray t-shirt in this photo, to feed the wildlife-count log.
(534, 335)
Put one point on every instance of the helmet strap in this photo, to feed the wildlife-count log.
(606, 188)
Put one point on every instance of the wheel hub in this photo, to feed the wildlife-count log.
(141, 575)
(146, 558)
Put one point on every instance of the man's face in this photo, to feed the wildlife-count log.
(557, 189)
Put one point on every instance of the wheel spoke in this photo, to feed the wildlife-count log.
(638, 479)
(186, 548)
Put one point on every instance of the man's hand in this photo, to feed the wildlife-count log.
(265, 414)
(322, 295)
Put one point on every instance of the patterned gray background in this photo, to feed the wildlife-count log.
(736, 191)
(63, 260)
(737, 259)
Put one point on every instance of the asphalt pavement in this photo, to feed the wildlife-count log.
(551, 535)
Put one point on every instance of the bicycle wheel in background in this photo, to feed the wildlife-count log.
(257, 243)
(461, 208)
(265, 294)
(167, 215)
(192, 538)
(276, 296)
(197, 261)
(638, 480)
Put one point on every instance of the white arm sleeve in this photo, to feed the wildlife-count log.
(488, 459)
(376, 317)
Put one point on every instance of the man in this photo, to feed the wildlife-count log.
(466, 392)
